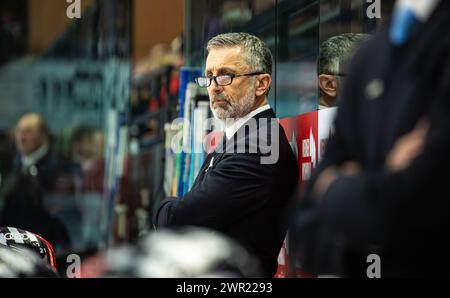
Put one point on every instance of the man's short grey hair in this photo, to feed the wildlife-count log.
(256, 53)
(335, 52)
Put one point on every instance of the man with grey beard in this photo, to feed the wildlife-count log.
(245, 185)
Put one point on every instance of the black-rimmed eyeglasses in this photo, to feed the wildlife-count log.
(222, 80)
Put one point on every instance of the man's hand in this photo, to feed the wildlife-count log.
(407, 148)
(324, 180)
(330, 174)
(400, 157)
(349, 168)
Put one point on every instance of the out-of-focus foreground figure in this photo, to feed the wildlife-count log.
(380, 194)
(181, 253)
(37, 171)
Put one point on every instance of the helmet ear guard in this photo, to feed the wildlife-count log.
(20, 240)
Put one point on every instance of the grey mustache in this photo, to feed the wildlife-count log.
(219, 98)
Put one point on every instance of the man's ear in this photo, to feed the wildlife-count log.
(262, 84)
(328, 84)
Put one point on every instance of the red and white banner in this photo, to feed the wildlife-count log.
(308, 135)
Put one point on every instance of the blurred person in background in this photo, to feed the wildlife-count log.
(36, 156)
(87, 145)
(36, 174)
(379, 190)
(334, 54)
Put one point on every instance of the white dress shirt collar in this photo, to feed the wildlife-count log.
(231, 127)
(33, 158)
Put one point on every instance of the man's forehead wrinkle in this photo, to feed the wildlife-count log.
(236, 65)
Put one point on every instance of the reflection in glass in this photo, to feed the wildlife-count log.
(64, 104)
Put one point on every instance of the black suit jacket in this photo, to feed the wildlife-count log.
(401, 216)
(238, 195)
(48, 168)
(22, 200)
